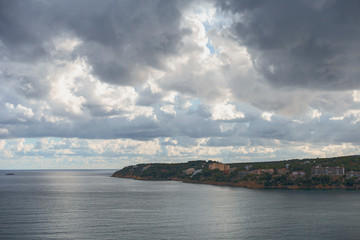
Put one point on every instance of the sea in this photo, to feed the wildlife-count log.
(89, 204)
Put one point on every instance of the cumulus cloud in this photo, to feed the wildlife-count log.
(225, 111)
(18, 113)
(300, 43)
(120, 40)
(132, 81)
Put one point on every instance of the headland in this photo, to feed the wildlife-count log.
(320, 173)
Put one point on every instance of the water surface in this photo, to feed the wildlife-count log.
(92, 205)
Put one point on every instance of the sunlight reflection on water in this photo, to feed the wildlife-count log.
(92, 205)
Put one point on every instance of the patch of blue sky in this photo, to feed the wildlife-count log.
(32, 141)
(195, 103)
(211, 47)
(207, 27)
(218, 22)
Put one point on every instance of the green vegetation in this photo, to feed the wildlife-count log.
(240, 174)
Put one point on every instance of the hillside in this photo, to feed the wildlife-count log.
(319, 173)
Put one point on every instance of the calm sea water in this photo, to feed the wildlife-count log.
(92, 205)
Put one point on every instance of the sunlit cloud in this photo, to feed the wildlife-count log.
(111, 83)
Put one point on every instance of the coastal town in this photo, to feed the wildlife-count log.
(333, 173)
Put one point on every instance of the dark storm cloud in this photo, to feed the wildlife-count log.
(311, 44)
(235, 140)
(140, 128)
(126, 36)
(146, 97)
(120, 38)
(32, 87)
(22, 30)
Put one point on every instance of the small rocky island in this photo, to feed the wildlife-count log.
(324, 173)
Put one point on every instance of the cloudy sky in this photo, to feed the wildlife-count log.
(104, 84)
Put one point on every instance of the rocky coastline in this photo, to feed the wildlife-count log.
(243, 184)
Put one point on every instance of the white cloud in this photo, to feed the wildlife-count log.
(330, 150)
(66, 43)
(184, 84)
(18, 113)
(2, 143)
(226, 111)
(316, 114)
(352, 115)
(337, 118)
(355, 114)
(267, 116)
(169, 109)
(170, 97)
(356, 95)
(66, 82)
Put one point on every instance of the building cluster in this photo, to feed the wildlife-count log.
(353, 174)
(315, 171)
(278, 172)
(329, 171)
(333, 172)
(261, 171)
(298, 174)
(282, 171)
(220, 166)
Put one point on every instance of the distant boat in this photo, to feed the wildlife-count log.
(10, 174)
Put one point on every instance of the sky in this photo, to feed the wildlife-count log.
(106, 84)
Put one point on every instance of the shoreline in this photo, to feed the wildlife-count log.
(249, 185)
